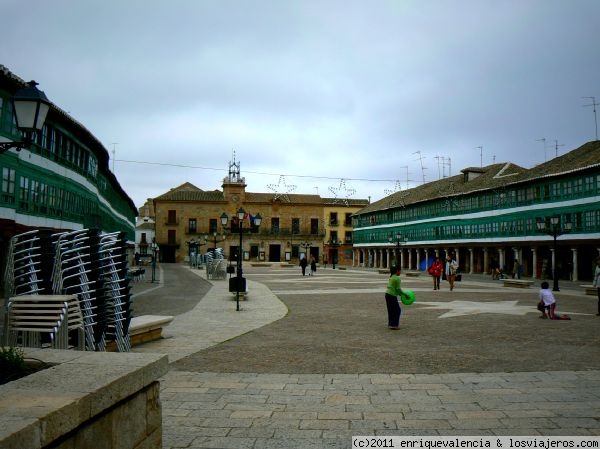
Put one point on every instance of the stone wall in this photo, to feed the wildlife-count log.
(86, 400)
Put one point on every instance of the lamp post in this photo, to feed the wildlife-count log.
(154, 247)
(193, 246)
(215, 233)
(305, 246)
(397, 238)
(30, 107)
(556, 229)
(239, 280)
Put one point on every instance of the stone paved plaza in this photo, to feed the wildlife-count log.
(309, 361)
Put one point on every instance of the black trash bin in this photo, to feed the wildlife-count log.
(233, 284)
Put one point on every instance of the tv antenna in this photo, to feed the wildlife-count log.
(480, 155)
(593, 104)
(114, 152)
(556, 145)
(422, 167)
(543, 140)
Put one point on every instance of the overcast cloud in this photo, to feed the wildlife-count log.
(318, 91)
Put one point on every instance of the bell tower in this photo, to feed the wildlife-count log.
(234, 186)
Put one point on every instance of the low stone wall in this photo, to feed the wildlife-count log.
(95, 400)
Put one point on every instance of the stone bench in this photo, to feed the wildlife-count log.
(590, 289)
(382, 271)
(413, 274)
(518, 283)
(147, 328)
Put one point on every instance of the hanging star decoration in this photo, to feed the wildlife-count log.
(464, 308)
(452, 200)
(282, 190)
(342, 187)
(396, 196)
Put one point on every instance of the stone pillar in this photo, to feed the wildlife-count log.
(486, 263)
(427, 259)
(501, 258)
(534, 254)
(410, 264)
(553, 263)
(470, 260)
(418, 252)
(574, 276)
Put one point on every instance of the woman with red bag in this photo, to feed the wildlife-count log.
(435, 270)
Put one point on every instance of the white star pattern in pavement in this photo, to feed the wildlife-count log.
(461, 308)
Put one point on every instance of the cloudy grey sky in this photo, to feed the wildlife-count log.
(379, 94)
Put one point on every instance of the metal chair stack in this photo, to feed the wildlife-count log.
(117, 304)
(216, 265)
(39, 320)
(86, 265)
(28, 261)
(74, 273)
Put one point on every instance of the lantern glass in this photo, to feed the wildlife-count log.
(224, 219)
(241, 213)
(257, 220)
(30, 108)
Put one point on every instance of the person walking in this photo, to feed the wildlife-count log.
(435, 270)
(303, 264)
(597, 282)
(451, 269)
(313, 266)
(391, 299)
(515, 272)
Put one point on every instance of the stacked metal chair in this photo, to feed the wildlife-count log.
(84, 264)
(216, 265)
(117, 307)
(75, 274)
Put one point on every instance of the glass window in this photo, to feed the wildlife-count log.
(8, 185)
(212, 225)
(295, 226)
(24, 193)
(275, 224)
(192, 225)
(333, 219)
(314, 225)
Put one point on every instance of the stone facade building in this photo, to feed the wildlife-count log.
(188, 220)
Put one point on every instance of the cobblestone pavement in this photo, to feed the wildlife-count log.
(475, 361)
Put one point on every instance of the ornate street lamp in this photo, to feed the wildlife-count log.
(214, 237)
(305, 246)
(397, 238)
(240, 281)
(555, 230)
(193, 254)
(30, 107)
(154, 248)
